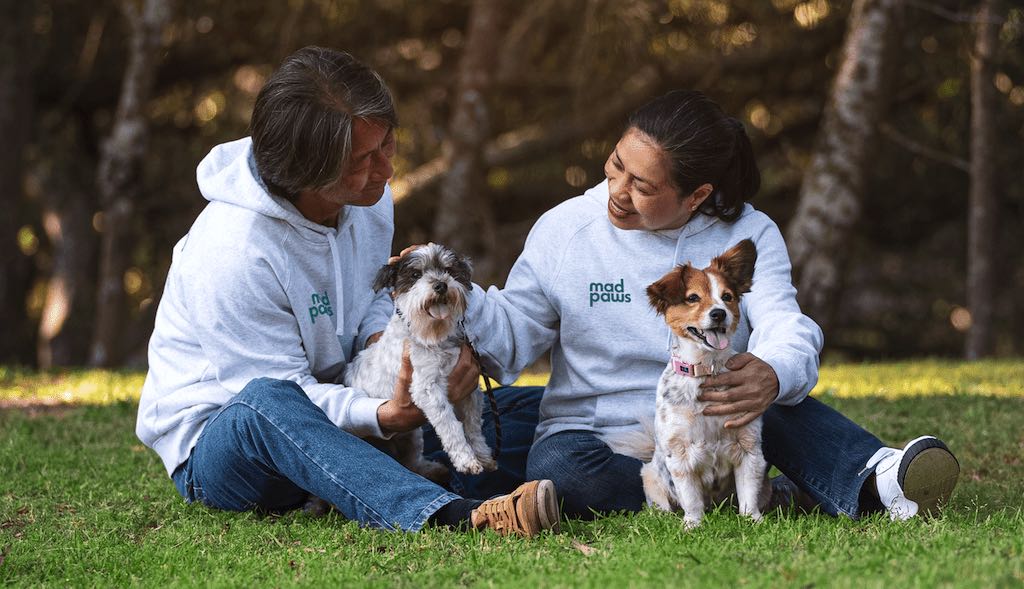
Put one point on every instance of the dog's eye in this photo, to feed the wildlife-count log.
(726, 297)
(693, 299)
(416, 274)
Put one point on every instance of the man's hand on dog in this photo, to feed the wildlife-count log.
(399, 414)
(748, 390)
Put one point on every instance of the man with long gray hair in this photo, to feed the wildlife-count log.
(269, 297)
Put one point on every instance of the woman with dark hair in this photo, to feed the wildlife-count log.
(677, 187)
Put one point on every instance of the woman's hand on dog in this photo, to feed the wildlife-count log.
(401, 255)
(399, 414)
(748, 390)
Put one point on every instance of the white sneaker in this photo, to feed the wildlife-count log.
(918, 478)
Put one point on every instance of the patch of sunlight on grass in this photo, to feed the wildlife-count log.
(535, 379)
(79, 386)
(934, 377)
(999, 378)
(891, 380)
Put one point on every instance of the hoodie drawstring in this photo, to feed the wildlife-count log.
(339, 293)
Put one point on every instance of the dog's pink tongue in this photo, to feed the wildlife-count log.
(717, 340)
(439, 311)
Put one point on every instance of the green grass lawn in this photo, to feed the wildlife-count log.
(82, 502)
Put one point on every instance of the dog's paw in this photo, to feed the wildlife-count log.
(468, 466)
(488, 462)
(316, 507)
(434, 471)
(691, 522)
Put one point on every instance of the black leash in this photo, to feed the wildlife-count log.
(487, 389)
(490, 397)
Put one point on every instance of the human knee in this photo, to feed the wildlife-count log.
(264, 386)
(587, 479)
(273, 393)
(268, 398)
(554, 466)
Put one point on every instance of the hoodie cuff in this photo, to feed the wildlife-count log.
(365, 335)
(362, 418)
(790, 389)
(474, 303)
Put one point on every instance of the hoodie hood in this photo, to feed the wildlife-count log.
(228, 175)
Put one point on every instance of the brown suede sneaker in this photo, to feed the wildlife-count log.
(528, 510)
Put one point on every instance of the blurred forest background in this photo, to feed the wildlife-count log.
(889, 135)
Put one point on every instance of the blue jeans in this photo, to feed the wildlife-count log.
(271, 446)
(815, 446)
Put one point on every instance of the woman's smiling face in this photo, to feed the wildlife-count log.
(641, 193)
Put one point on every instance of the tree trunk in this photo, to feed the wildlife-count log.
(65, 325)
(63, 339)
(982, 200)
(119, 175)
(16, 129)
(465, 220)
(830, 195)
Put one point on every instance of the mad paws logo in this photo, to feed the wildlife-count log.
(321, 306)
(609, 292)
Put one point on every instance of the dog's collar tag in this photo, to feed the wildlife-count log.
(686, 369)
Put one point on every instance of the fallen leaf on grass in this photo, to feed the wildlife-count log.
(318, 550)
(586, 550)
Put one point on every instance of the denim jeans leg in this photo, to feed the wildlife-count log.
(588, 476)
(271, 445)
(517, 409)
(823, 452)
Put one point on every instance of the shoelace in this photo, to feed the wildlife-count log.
(500, 514)
(877, 457)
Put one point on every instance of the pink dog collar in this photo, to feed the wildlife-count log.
(686, 369)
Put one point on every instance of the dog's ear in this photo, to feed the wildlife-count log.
(737, 265)
(668, 290)
(386, 277)
(462, 271)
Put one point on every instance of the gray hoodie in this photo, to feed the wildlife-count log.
(579, 288)
(257, 290)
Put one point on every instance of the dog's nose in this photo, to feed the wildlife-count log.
(440, 287)
(717, 315)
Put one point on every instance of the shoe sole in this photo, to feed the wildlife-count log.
(928, 474)
(548, 514)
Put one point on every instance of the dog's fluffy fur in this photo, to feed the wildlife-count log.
(696, 460)
(430, 286)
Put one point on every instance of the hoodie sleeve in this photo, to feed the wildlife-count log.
(246, 328)
(375, 320)
(512, 326)
(781, 334)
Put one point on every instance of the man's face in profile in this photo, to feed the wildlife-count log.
(368, 167)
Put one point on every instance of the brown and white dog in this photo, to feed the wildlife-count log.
(696, 460)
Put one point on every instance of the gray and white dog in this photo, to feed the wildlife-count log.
(430, 286)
